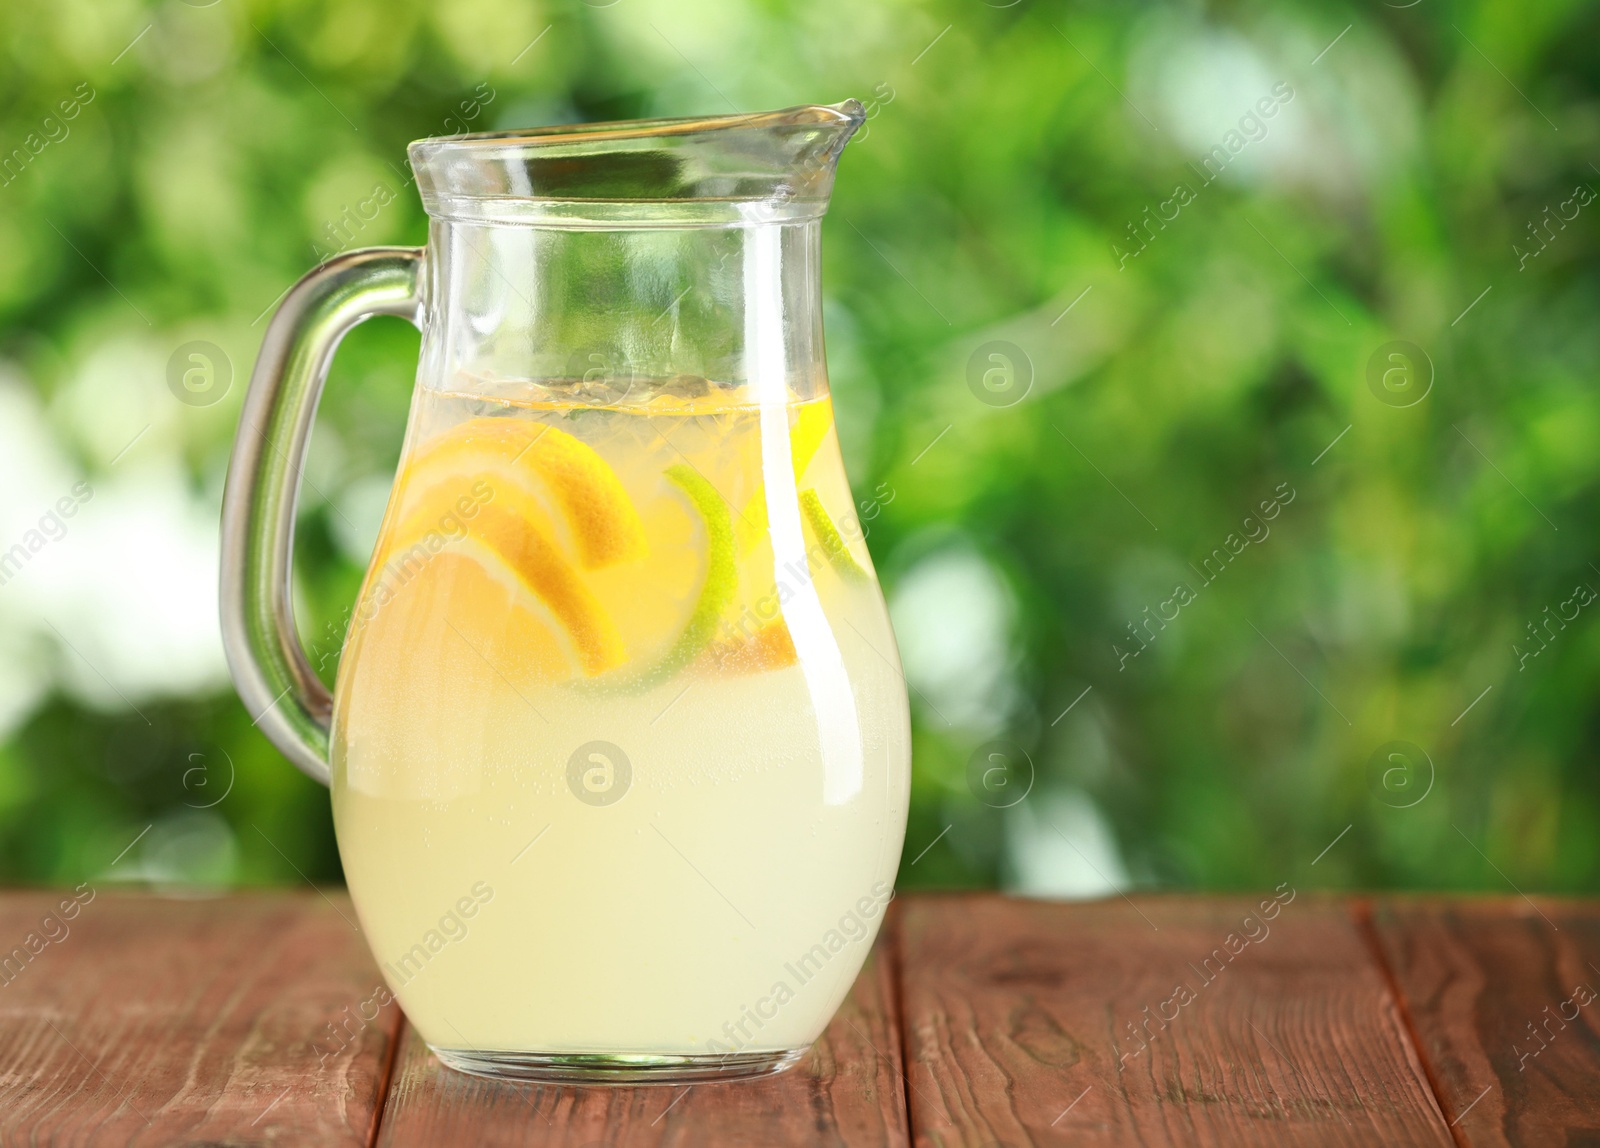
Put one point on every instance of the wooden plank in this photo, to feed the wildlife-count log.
(153, 1022)
(1502, 994)
(847, 1091)
(1027, 1024)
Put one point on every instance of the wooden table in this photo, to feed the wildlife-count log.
(979, 1020)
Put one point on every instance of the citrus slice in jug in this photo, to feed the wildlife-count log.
(769, 647)
(441, 651)
(826, 536)
(509, 533)
(668, 606)
(494, 525)
(808, 428)
(592, 516)
(467, 619)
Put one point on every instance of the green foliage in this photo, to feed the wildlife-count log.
(1035, 175)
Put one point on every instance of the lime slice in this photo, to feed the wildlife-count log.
(722, 572)
(828, 537)
(718, 578)
(812, 421)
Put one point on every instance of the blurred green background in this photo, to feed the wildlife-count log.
(1196, 300)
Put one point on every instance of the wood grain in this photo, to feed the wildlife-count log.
(1494, 990)
(848, 1091)
(150, 1021)
(156, 1022)
(1021, 1020)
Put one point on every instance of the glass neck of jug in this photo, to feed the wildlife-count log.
(611, 264)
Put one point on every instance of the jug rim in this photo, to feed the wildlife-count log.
(742, 169)
(849, 113)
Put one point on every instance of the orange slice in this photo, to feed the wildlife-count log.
(582, 492)
(513, 527)
(438, 661)
(467, 610)
(770, 648)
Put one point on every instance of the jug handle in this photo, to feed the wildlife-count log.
(274, 677)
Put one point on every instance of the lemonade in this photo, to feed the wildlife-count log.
(620, 747)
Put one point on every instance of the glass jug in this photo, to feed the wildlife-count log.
(619, 745)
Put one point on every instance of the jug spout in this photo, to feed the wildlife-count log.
(714, 171)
